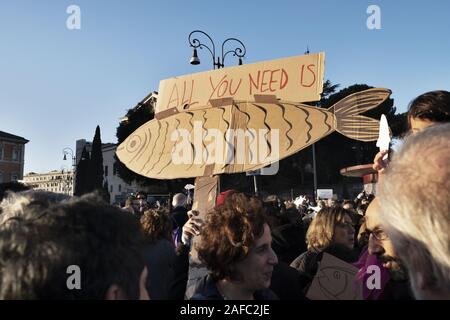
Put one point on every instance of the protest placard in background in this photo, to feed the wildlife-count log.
(325, 193)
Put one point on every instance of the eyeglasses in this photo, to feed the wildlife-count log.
(378, 234)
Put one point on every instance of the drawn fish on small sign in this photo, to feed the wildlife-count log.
(335, 282)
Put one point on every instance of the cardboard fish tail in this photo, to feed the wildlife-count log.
(349, 120)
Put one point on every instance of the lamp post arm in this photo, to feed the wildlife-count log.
(240, 51)
(195, 43)
(69, 151)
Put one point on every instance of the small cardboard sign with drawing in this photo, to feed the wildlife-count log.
(335, 280)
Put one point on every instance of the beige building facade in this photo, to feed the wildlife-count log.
(53, 181)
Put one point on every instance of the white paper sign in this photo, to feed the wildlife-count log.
(325, 193)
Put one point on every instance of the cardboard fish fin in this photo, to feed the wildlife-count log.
(349, 120)
(360, 102)
(358, 127)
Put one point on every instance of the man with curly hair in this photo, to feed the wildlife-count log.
(235, 246)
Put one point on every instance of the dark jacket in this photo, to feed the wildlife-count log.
(288, 241)
(181, 271)
(287, 283)
(306, 263)
(160, 260)
(179, 216)
(206, 289)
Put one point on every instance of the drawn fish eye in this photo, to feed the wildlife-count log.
(134, 143)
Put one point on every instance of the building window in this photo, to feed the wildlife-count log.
(1, 150)
(120, 188)
(16, 153)
(111, 189)
(115, 168)
(1, 175)
(106, 171)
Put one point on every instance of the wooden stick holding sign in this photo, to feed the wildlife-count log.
(205, 194)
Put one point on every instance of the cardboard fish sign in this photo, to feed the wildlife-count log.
(237, 136)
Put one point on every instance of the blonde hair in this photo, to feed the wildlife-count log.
(415, 210)
(320, 233)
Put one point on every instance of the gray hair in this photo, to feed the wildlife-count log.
(415, 210)
(179, 200)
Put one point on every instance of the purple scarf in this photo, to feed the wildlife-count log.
(366, 260)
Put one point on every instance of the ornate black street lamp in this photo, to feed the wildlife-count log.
(69, 151)
(195, 43)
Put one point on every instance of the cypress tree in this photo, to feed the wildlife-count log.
(96, 168)
(105, 194)
(82, 174)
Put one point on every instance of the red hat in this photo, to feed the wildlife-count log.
(223, 196)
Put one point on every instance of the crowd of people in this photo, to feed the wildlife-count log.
(247, 248)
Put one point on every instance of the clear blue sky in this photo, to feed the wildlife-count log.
(57, 84)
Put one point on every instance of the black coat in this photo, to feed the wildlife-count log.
(179, 216)
(206, 289)
(288, 241)
(160, 261)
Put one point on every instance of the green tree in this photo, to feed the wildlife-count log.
(328, 89)
(399, 124)
(96, 164)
